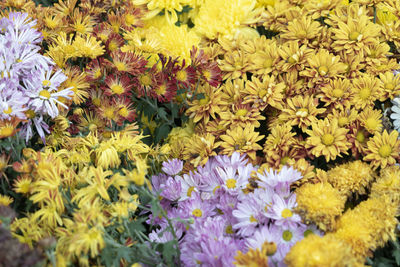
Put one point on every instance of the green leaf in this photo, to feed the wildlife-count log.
(162, 132)
(396, 255)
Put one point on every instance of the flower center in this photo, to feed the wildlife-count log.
(252, 219)
(286, 213)
(301, 34)
(117, 89)
(97, 74)
(44, 93)
(372, 124)
(323, 70)
(385, 150)
(267, 63)
(145, 80)
(308, 232)
(121, 66)
(241, 112)
(30, 114)
(6, 131)
(353, 36)
(109, 113)
(96, 102)
(162, 89)
(360, 137)
(327, 139)
(390, 86)
(231, 183)
(112, 46)
(123, 112)
(80, 28)
(197, 213)
(284, 160)
(302, 112)
(229, 229)
(181, 75)
(293, 59)
(204, 100)
(365, 93)
(287, 235)
(8, 111)
(338, 93)
(190, 190)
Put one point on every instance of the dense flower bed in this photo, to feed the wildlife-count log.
(199, 132)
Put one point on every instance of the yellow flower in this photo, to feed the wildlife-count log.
(301, 111)
(320, 203)
(344, 116)
(327, 139)
(294, 56)
(81, 23)
(391, 85)
(351, 177)
(253, 257)
(281, 139)
(5, 200)
(371, 119)
(366, 89)
(388, 184)
(223, 18)
(243, 140)
(23, 185)
(301, 30)
(206, 107)
(199, 148)
(318, 251)
(235, 64)
(337, 93)
(241, 115)
(383, 149)
(107, 155)
(264, 92)
(156, 6)
(76, 81)
(88, 47)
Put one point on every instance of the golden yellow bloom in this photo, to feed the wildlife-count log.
(351, 177)
(281, 138)
(263, 54)
(383, 149)
(337, 93)
(81, 23)
(235, 64)
(366, 89)
(88, 47)
(241, 115)
(107, 155)
(76, 81)
(301, 30)
(264, 92)
(327, 139)
(371, 119)
(232, 92)
(323, 66)
(156, 6)
(344, 116)
(294, 56)
(5, 200)
(199, 148)
(391, 85)
(242, 140)
(320, 203)
(388, 184)
(301, 111)
(355, 34)
(23, 185)
(317, 251)
(203, 109)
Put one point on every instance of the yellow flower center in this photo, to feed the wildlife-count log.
(46, 94)
(252, 219)
(117, 89)
(286, 213)
(385, 150)
(80, 28)
(231, 183)
(342, 121)
(181, 75)
(241, 112)
(353, 36)
(360, 137)
(287, 235)
(365, 93)
(338, 93)
(327, 139)
(97, 74)
(50, 23)
(323, 70)
(8, 111)
(129, 19)
(204, 101)
(30, 114)
(301, 34)
(123, 112)
(121, 66)
(96, 102)
(372, 124)
(229, 229)
(302, 112)
(197, 212)
(145, 80)
(389, 86)
(112, 46)
(190, 190)
(284, 160)
(162, 89)
(109, 113)
(46, 83)
(207, 74)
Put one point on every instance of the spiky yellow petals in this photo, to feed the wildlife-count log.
(320, 203)
(383, 149)
(388, 184)
(253, 258)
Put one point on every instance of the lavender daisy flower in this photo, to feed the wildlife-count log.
(196, 207)
(20, 21)
(279, 180)
(282, 211)
(172, 167)
(248, 216)
(189, 185)
(12, 101)
(234, 180)
(285, 238)
(41, 127)
(235, 160)
(171, 189)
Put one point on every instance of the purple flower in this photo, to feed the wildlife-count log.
(12, 101)
(282, 211)
(171, 189)
(172, 167)
(235, 160)
(41, 127)
(248, 216)
(197, 208)
(285, 238)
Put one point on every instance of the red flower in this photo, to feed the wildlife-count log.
(117, 85)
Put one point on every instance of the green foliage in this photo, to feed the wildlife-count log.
(389, 255)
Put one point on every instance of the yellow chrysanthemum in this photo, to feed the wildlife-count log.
(243, 140)
(371, 119)
(206, 107)
(156, 6)
(294, 56)
(253, 258)
(337, 93)
(327, 139)
(5, 200)
(301, 111)
(352, 177)
(199, 148)
(301, 30)
(366, 89)
(317, 251)
(383, 149)
(344, 116)
(391, 85)
(320, 203)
